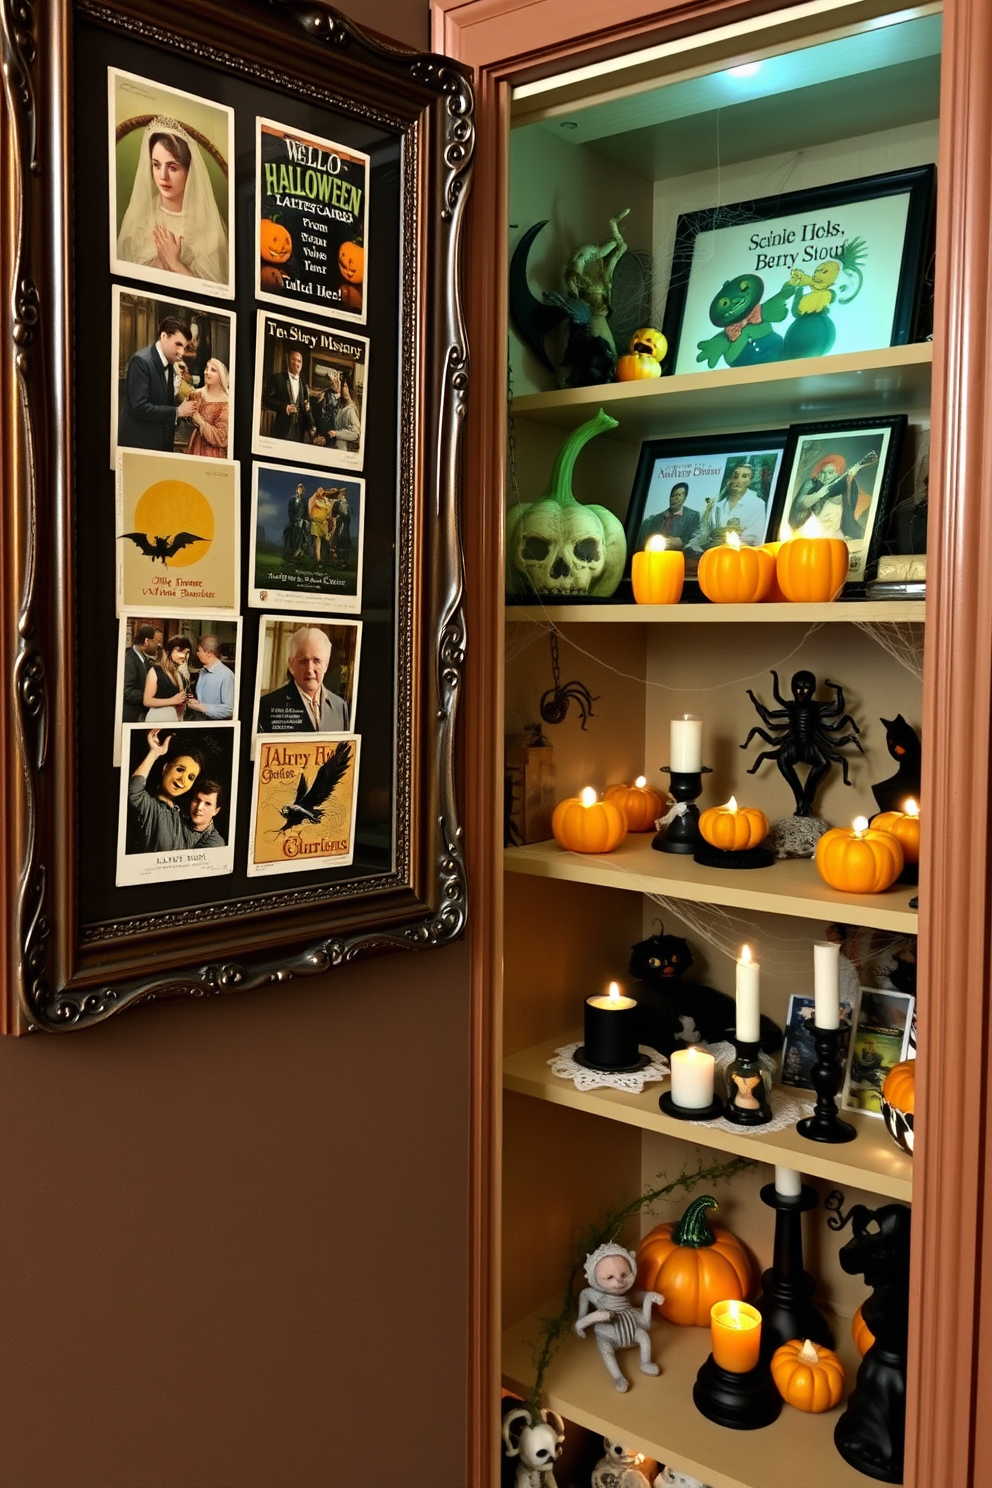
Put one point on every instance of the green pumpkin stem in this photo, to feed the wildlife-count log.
(560, 489)
(693, 1229)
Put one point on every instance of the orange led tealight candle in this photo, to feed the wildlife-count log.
(657, 574)
(904, 826)
(860, 860)
(735, 1331)
(585, 824)
(734, 574)
(811, 568)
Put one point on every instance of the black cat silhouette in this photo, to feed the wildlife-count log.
(903, 743)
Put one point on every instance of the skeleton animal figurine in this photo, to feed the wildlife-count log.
(537, 1442)
(622, 1467)
(610, 1272)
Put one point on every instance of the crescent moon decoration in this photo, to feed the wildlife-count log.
(532, 319)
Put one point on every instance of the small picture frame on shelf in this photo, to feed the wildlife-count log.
(799, 1048)
(880, 1039)
(692, 491)
(842, 473)
(836, 268)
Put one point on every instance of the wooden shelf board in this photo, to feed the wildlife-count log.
(896, 378)
(872, 1161)
(888, 611)
(791, 886)
(657, 1415)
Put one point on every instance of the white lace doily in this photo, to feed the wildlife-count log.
(634, 1081)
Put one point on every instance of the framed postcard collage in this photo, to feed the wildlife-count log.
(256, 430)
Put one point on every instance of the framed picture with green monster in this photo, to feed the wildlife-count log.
(836, 268)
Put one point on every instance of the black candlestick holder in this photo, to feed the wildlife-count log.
(744, 1402)
(786, 1305)
(825, 1125)
(747, 1099)
(682, 835)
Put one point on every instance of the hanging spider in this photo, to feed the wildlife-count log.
(554, 703)
(805, 733)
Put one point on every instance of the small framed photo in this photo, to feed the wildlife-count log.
(837, 268)
(883, 1021)
(694, 491)
(799, 1048)
(837, 480)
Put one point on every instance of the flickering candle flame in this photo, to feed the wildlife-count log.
(860, 825)
(655, 544)
(732, 806)
(588, 796)
(812, 527)
(911, 808)
(732, 540)
(746, 950)
(615, 994)
(641, 782)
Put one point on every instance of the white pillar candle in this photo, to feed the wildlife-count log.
(686, 744)
(693, 1073)
(748, 998)
(788, 1182)
(826, 984)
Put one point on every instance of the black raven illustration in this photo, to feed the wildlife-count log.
(310, 800)
(163, 548)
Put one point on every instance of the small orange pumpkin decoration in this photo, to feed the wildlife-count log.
(861, 861)
(731, 574)
(812, 570)
(904, 826)
(899, 1088)
(774, 595)
(693, 1264)
(807, 1375)
(861, 1333)
(733, 828)
(583, 824)
(645, 356)
(275, 242)
(641, 804)
(351, 262)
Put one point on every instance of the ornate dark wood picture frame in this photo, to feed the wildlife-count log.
(84, 936)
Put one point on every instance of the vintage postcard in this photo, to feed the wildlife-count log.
(178, 533)
(306, 539)
(303, 803)
(798, 1050)
(307, 676)
(171, 186)
(171, 377)
(882, 1024)
(311, 229)
(179, 787)
(166, 659)
(311, 383)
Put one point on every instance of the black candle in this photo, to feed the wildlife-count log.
(611, 1031)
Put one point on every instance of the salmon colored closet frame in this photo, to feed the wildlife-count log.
(949, 1439)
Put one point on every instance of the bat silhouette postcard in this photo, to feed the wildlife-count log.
(178, 532)
(303, 803)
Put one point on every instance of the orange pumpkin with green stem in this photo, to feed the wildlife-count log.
(693, 1263)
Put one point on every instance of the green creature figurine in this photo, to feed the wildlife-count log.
(745, 338)
(812, 332)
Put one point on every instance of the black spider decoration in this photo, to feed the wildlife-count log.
(805, 733)
(554, 703)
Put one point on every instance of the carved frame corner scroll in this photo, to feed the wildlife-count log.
(62, 969)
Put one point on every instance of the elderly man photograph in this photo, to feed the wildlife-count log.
(304, 704)
(150, 403)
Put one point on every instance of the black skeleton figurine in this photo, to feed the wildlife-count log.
(805, 733)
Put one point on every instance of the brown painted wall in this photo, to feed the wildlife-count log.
(233, 1233)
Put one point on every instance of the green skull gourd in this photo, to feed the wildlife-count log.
(562, 546)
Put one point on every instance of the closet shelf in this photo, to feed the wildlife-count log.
(790, 887)
(872, 1161)
(875, 612)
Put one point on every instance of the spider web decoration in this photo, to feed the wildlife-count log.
(902, 640)
(871, 950)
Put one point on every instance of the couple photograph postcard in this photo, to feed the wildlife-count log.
(178, 792)
(176, 666)
(311, 229)
(303, 803)
(307, 676)
(172, 381)
(306, 539)
(178, 532)
(310, 386)
(171, 186)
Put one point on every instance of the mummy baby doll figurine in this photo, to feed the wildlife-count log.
(610, 1272)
